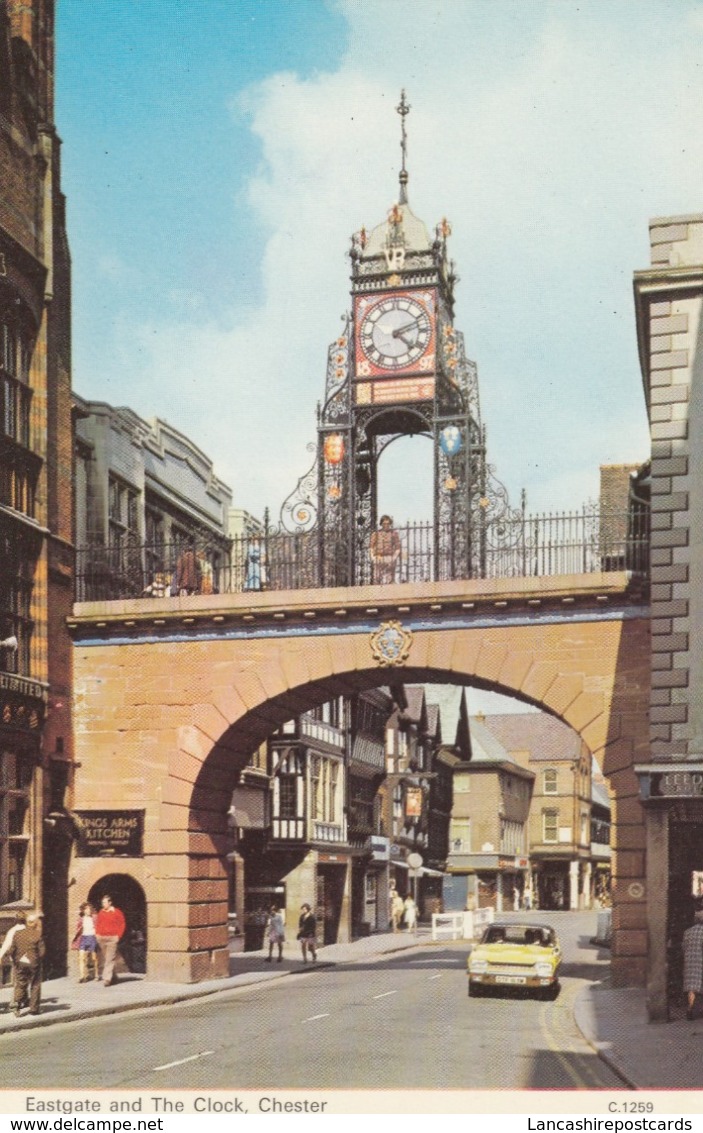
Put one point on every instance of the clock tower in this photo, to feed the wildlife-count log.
(398, 369)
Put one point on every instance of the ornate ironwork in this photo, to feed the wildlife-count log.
(513, 544)
(299, 509)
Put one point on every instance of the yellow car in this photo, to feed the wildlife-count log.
(515, 955)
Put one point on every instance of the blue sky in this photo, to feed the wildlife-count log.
(218, 154)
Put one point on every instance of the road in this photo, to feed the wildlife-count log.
(402, 1021)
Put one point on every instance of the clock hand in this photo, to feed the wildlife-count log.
(399, 332)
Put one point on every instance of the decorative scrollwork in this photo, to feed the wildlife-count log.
(299, 509)
(337, 398)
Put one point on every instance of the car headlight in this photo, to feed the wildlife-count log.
(543, 969)
(478, 967)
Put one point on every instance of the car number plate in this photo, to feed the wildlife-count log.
(510, 979)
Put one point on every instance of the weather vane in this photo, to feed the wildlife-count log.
(403, 108)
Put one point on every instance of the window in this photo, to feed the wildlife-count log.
(15, 400)
(333, 791)
(123, 512)
(379, 825)
(16, 575)
(512, 837)
(549, 781)
(397, 809)
(550, 821)
(287, 802)
(316, 807)
(16, 771)
(461, 835)
(155, 559)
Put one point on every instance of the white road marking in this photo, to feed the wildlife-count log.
(193, 1057)
(384, 994)
(311, 1018)
(437, 977)
(459, 961)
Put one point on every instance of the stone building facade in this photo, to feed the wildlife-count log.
(488, 860)
(36, 554)
(143, 492)
(560, 810)
(669, 299)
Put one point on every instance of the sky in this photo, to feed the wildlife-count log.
(218, 155)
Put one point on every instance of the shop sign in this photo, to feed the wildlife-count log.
(24, 686)
(110, 833)
(380, 848)
(677, 784)
(413, 802)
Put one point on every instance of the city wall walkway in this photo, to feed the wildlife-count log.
(612, 1020)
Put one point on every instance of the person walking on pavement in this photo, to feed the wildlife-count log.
(397, 909)
(25, 947)
(110, 927)
(410, 914)
(87, 943)
(693, 962)
(5, 956)
(307, 932)
(276, 933)
(20, 922)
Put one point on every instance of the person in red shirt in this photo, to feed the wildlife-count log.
(110, 927)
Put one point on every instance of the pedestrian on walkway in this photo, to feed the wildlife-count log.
(307, 932)
(276, 933)
(20, 922)
(410, 914)
(110, 927)
(26, 950)
(5, 958)
(693, 962)
(397, 910)
(87, 943)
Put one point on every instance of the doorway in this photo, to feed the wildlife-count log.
(127, 895)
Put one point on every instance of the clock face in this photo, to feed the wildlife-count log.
(395, 332)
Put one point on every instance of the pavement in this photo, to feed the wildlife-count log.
(612, 1020)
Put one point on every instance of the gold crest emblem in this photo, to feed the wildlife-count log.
(391, 643)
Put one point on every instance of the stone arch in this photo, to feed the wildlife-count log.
(127, 895)
(190, 714)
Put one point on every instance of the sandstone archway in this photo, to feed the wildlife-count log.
(167, 725)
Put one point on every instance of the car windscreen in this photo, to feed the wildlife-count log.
(517, 934)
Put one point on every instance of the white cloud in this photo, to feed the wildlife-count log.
(548, 135)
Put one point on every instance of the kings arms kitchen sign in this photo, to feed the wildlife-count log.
(110, 833)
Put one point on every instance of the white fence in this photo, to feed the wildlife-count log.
(467, 925)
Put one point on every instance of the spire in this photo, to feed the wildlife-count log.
(403, 109)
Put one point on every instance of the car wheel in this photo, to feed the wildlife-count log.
(475, 989)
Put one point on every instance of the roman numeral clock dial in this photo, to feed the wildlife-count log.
(395, 332)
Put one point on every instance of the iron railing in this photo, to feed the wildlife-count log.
(520, 546)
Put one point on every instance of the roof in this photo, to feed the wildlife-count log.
(544, 737)
(451, 703)
(434, 726)
(414, 231)
(487, 750)
(416, 710)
